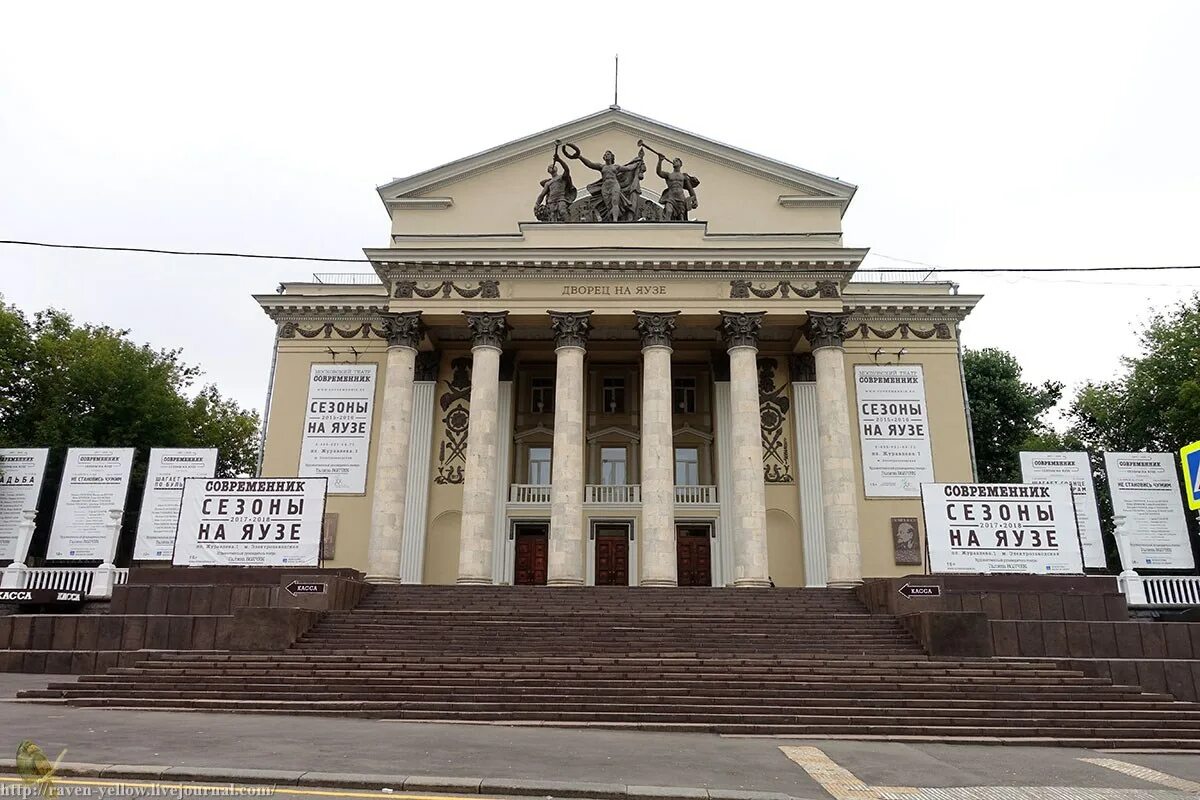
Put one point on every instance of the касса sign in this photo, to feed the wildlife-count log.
(1000, 527)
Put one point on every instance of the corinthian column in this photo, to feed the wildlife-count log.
(488, 331)
(658, 566)
(403, 332)
(749, 508)
(826, 331)
(565, 565)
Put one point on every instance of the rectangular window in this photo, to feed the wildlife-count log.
(683, 395)
(612, 466)
(687, 466)
(539, 466)
(541, 395)
(613, 396)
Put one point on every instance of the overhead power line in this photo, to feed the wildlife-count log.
(924, 268)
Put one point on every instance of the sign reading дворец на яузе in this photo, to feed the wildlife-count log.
(21, 472)
(337, 426)
(893, 430)
(1001, 527)
(250, 522)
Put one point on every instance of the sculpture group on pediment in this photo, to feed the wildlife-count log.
(617, 195)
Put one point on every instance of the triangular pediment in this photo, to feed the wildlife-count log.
(494, 190)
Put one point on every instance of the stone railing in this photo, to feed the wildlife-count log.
(618, 495)
(1160, 591)
(530, 493)
(67, 579)
(695, 495)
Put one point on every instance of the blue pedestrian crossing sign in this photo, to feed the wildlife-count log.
(1190, 456)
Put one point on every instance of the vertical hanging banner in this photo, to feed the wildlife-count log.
(337, 426)
(164, 491)
(95, 480)
(893, 430)
(1145, 490)
(1074, 470)
(250, 522)
(21, 473)
(986, 528)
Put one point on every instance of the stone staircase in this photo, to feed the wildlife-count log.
(796, 662)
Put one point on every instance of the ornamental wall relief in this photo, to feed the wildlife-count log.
(455, 404)
(773, 407)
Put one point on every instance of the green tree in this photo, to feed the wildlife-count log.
(1155, 403)
(1006, 412)
(66, 385)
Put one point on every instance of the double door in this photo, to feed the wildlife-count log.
(693, 554)
(612, 554)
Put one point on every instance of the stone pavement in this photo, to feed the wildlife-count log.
(522, 760)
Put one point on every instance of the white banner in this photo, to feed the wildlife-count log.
(1145, 490)
(95, 480)
(1001, 527)
(893, 430)
(164, 491)
(21, 473)
(1074, 470)
(252, 522)
(337, 426)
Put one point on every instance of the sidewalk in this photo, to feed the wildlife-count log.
(482, 754)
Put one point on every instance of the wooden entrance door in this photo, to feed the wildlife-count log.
(612, 555)
(694, 554)
(530, 569)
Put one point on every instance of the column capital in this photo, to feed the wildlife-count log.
(571, 328)
(657, 328)
(403, 329)
(488, 328)
(826, 328)
(740, 328)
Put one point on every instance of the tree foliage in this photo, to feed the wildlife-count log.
(1006, 412)
(65, 385)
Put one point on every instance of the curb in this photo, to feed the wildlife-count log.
(511, 787)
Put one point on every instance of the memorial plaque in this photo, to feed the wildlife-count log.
(906, 541)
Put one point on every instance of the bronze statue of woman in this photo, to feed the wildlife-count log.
(618, 187)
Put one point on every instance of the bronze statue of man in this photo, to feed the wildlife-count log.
(680, 195)
(558, 192)
(619, 185)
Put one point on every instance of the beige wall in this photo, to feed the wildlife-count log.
(948, 435)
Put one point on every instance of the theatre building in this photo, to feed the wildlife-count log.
(616, 352)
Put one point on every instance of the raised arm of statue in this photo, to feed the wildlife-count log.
(587, 162)
(659, 169)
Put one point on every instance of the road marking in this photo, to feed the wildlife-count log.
(1145, 774)
(254, 790)
(842, 784)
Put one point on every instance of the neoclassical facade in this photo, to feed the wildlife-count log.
(620, 371)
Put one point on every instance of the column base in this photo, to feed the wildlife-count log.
(658, 582)
(843, 584)
(467, 581)
(564, 582)
(751, 583)
(388, 579)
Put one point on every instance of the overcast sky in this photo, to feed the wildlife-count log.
(1036, 134)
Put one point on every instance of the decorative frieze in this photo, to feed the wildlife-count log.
(773, 407)
(488, 328)
(656, 328)
(456, 416)
(571, 328)
(327, 330)
(487, 290)
(740, 328)
(937, 330)
(404, 330)
(742, 289)
(826, 328)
